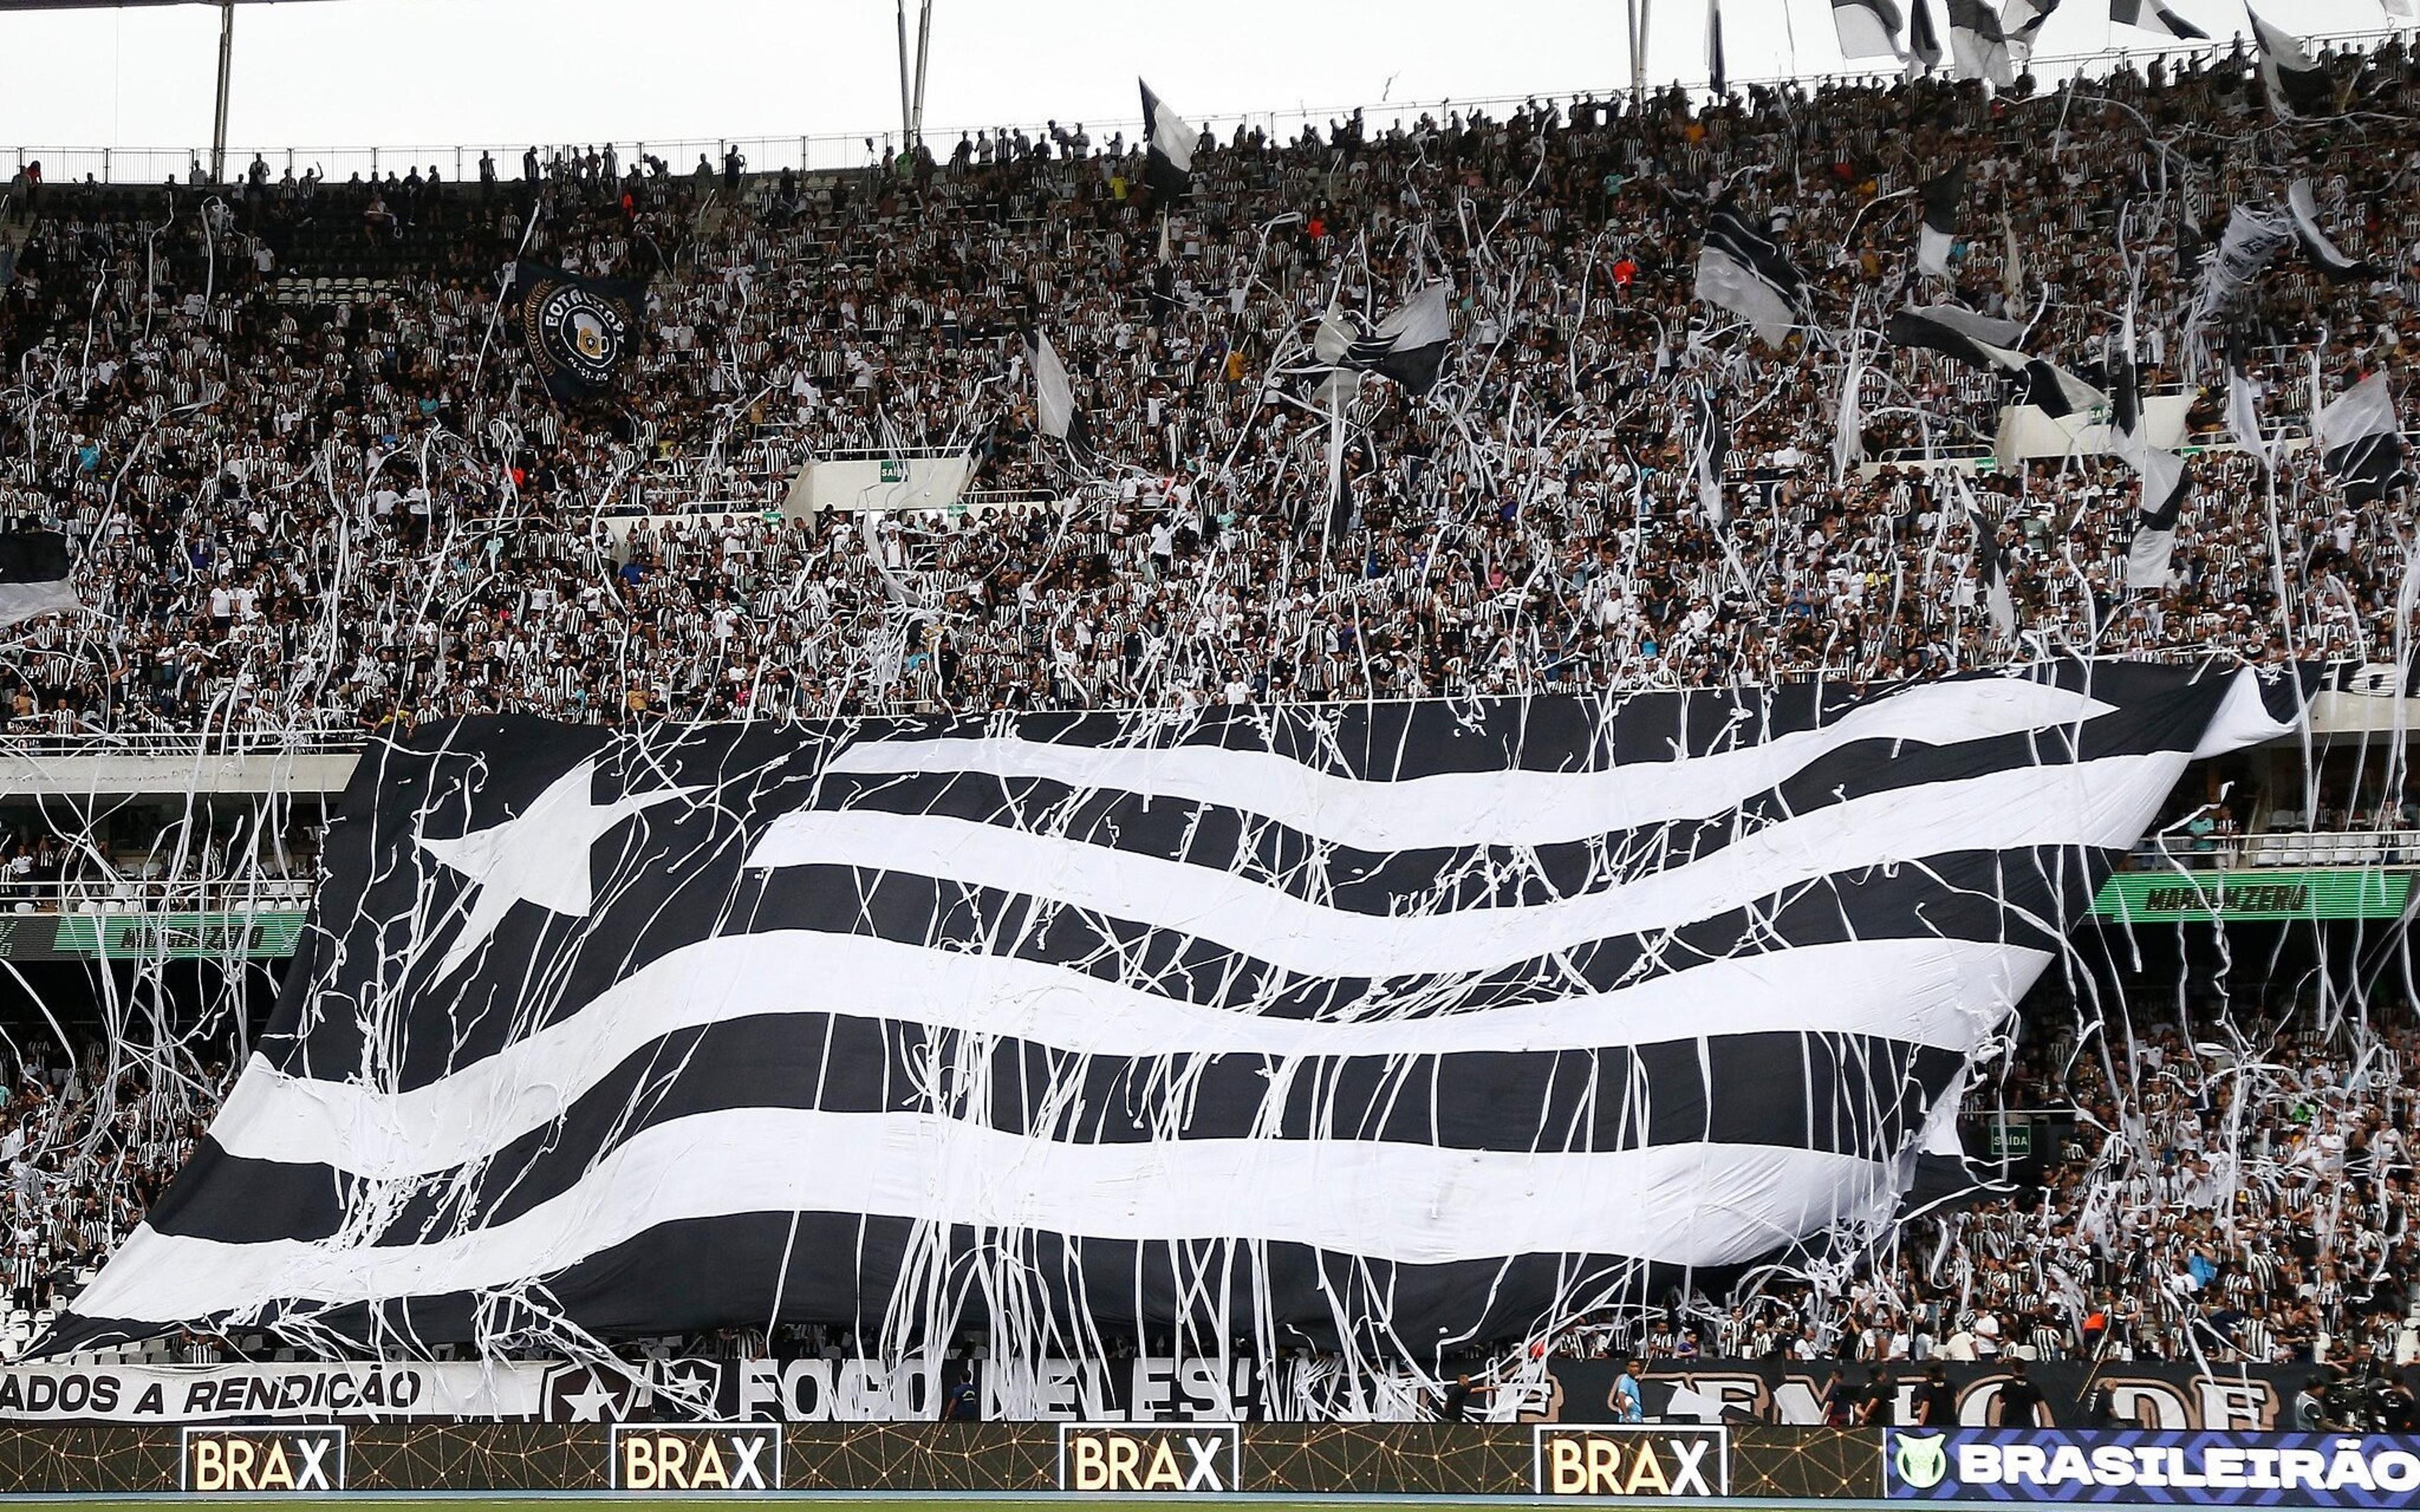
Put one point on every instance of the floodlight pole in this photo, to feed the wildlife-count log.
(923, 51)
(1637, 14)
(906, 100)
(226, 62)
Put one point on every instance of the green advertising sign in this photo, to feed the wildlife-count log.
(2205, 897)
(254, 936)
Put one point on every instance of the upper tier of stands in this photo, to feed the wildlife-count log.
(314, 487)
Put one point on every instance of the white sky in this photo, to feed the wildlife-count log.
(395, 72)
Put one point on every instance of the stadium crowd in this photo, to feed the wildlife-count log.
(298, 509)
(2244, 1193)
(298, 512)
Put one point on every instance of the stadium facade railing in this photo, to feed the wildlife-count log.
(839, 151)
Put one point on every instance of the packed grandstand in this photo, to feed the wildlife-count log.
(312, 489)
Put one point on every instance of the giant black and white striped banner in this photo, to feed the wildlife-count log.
(1397, 1026)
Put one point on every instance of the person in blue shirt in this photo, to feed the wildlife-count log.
(1629, 1404)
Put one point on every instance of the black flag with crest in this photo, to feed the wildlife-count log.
(579, 331)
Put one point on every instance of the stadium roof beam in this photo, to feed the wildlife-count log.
(227, 52)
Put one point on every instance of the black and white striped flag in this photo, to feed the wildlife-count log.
(1866, 28)
(2316, 244)
(1743, 269)
(1168, 150)
(2152, 16)
(2055, 391)
(1056, 413)
(1979, 49)
(2296, 86)
(36, 576)
(2361, 441)
(2023, 20)
(1402, 1024)
(2164, 478)
(1938, 232)
(2243, 393)
(1923, 40)
(1408, 345)
(1955, 330)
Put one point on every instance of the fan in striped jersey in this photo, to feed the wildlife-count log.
(1388, 1027)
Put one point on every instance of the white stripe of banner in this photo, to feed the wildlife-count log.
(1693, 1204)
(1948, 994)
(2102, 804)
(1501, 808)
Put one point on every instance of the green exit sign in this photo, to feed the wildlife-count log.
(2010, 1139)
(893, 470)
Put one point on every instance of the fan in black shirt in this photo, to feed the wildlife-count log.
(1455, 1408)
(2021, 1400)
(1936, 1400)
(1878, 1407)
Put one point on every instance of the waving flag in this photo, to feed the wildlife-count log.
(1743, 269)
(2165, 481)
(1939, 230)
(1408, 346)
(1955, 330)
(2296, 86)
(2152, 16)
(2253, 238)
(2056, 392)
(2243, 393)
(1979, 49)
(36, 572)
(2361, 441)
(1923, 41)
(2315, 245)
(1055, 411)
(2023, 20)
(1406, 1023)
(1168, 150)
(1866, 28)
(579, 331)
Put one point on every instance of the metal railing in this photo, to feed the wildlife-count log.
(838, 151)
(2277, 848)
(134, 895)
(297, 742)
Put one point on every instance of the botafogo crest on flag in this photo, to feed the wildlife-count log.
(1394, 1026)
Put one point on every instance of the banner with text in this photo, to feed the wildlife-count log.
(2180, 1468)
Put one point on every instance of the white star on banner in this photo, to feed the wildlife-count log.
(595, 1405)
(540, 856)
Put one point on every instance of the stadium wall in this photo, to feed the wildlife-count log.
(1144, 1390)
